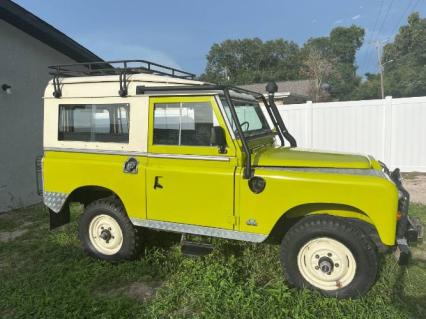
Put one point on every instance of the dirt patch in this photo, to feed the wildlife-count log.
(416, 186)
(6, 215)
(412, 175)
(6, 236)
(11, 235)
(418, 254)
(140, 291)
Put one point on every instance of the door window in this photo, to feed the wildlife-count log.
(185, 123)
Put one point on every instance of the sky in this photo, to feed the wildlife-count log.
(180, 33)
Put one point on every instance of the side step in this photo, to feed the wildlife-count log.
(195, 248)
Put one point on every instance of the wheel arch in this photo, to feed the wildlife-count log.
(84, 195)
(89, 193)
(349, 213)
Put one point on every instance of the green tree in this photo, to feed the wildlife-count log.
(252, 60)
(344, 42)
(406, 75)
(339, 48)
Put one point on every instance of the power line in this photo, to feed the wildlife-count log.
(378, 17)
(379, 44)
(380, 28)
(411, 6)
(386, 16)
(371, 35)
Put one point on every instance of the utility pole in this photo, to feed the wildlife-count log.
(379, 47)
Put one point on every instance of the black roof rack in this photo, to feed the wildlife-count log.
(116, 68)
(119, 67)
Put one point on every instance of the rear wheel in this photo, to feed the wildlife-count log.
(330, 255)
(106, 232)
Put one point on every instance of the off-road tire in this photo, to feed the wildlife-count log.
(130, 236)
(359, 244)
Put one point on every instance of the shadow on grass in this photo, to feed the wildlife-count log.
(231, 248)
(414, 305)
(165, 240)
(159, 239)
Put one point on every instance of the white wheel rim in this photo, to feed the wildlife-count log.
(326, 263)
(105, 234)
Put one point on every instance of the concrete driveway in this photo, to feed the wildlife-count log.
(416, 186)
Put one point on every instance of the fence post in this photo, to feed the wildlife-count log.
(309, 124)
(387, 131)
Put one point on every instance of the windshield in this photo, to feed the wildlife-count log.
(250, 116)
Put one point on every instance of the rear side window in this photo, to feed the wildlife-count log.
(94, 123)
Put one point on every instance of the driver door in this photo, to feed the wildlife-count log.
(189, 181)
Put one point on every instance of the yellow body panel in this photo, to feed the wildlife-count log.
(376, 197)
(298, 157)
(193, 192)
(67, 171)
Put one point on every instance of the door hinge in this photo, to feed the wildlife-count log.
(236, 222)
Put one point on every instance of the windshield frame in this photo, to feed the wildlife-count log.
(271, 107)
(264, 131)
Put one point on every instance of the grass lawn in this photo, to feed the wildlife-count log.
(45, 274)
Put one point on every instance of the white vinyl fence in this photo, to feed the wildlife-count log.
(392, 130)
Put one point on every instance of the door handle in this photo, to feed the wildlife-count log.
(156, 182)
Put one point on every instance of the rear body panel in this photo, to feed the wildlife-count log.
(65, 172)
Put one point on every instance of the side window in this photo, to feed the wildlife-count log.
(188, 123)
(94, 123)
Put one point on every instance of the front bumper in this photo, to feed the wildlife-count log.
(413, 233)
(409, 229)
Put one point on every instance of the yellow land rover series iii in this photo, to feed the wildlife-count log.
(142, 145)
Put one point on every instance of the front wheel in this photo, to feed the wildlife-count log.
(330, 255)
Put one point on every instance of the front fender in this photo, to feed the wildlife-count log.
(366, 191)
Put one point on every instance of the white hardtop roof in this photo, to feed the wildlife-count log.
(108, 85)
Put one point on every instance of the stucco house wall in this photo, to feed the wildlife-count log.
(23, 66)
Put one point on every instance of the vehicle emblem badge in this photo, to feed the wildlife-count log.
(251, 222)
(131, 166)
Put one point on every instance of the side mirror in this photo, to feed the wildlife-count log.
(218, 138)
